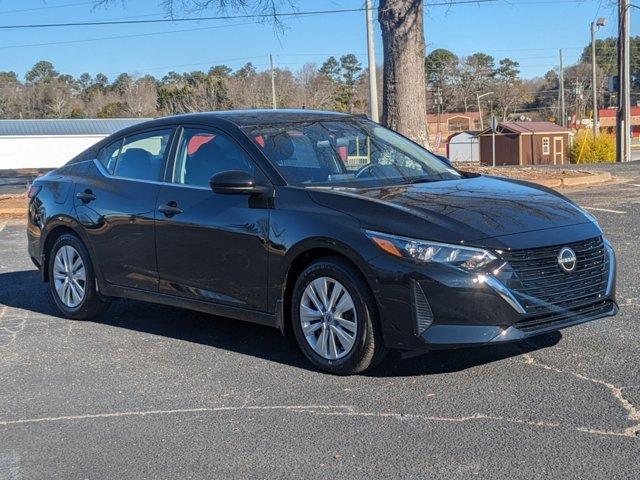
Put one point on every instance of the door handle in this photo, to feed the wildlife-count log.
(170, 209)
(86, 196)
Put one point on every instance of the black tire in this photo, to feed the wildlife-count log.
(92, 305)
(368, 349)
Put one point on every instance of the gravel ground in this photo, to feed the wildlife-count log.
(156, 392)
(528, 173)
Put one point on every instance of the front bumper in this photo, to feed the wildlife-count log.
(452, 336)
(424, 307)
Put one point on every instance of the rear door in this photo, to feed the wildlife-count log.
(116, 204)
(212, 247)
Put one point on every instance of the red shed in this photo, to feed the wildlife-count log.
(526, 143)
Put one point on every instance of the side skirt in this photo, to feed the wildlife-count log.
(253, 316)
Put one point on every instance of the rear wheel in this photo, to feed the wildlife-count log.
(334, 318)
(72, 279)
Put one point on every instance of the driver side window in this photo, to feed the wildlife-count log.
(202, 154)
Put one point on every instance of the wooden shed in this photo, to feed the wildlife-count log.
(526, 143)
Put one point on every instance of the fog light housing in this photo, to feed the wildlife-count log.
(423, 315)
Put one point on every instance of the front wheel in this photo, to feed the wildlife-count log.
(72, 280)
(334, 318)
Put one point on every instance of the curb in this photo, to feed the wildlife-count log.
(573, 181)
(586, 180)
(550, 183)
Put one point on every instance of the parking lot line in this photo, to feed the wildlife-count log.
(608, 210)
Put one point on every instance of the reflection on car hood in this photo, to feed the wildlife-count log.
(458, 210)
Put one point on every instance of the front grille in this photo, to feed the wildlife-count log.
(544, 289)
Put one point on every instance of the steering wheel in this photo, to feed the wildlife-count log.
(369, 167)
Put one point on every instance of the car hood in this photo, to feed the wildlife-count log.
(461, 210)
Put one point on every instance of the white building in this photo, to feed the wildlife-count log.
(463, 147)
(52, 142)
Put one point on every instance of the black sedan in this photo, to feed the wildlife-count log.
(327, 226)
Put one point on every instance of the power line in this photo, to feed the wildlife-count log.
(124, 21)
(117, 37)
(48, 7)
(177, 19)
(226, 17)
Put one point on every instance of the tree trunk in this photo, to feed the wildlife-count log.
(404, 102)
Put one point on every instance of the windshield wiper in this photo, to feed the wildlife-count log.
(424, 179)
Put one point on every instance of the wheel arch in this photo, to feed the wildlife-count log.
(54, 230)
(302, 256)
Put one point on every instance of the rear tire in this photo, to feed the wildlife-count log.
(72, 280)
(335, 318)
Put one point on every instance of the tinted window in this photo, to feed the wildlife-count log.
(108, 156)
(202, 154)
(142, 155)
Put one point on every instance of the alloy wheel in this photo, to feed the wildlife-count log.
(328, 318)
(69, 276)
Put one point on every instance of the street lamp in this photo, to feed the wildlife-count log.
(601, 22)
(478, 97)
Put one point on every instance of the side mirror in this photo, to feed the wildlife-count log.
(237, 182)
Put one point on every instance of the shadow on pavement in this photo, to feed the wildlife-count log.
(24, 290)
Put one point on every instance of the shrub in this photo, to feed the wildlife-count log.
(587, 149)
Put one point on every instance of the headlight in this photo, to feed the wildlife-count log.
(467, 258)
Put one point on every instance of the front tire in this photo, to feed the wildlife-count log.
(73, 281)
(334, 317)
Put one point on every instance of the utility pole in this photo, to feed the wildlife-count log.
(494, 127)
(438, 103)
(371, 53)
(623, 117)
(273, 84)
(577, 92)
(478, 97)
(601, 22)
(563, 112)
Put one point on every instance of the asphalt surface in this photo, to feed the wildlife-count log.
(156, 392)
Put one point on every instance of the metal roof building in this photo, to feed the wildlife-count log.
(75, 126)
(49, 143)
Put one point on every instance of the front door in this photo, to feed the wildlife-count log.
(116, 202)
(211, 247)
(558, 150)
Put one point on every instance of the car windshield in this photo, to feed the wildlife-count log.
(348, 153)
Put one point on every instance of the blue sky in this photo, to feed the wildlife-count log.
(529, 31)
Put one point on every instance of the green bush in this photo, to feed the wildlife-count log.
(587, 149)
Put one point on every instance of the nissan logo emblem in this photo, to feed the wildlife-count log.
(567, 259)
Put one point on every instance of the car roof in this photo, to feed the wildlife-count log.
(244, 118)
(222, 118)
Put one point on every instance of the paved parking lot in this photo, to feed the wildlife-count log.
(157, 392)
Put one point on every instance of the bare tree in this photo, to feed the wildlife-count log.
(11, 92)
(140, 96)
(316, 91)
(509, 90)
